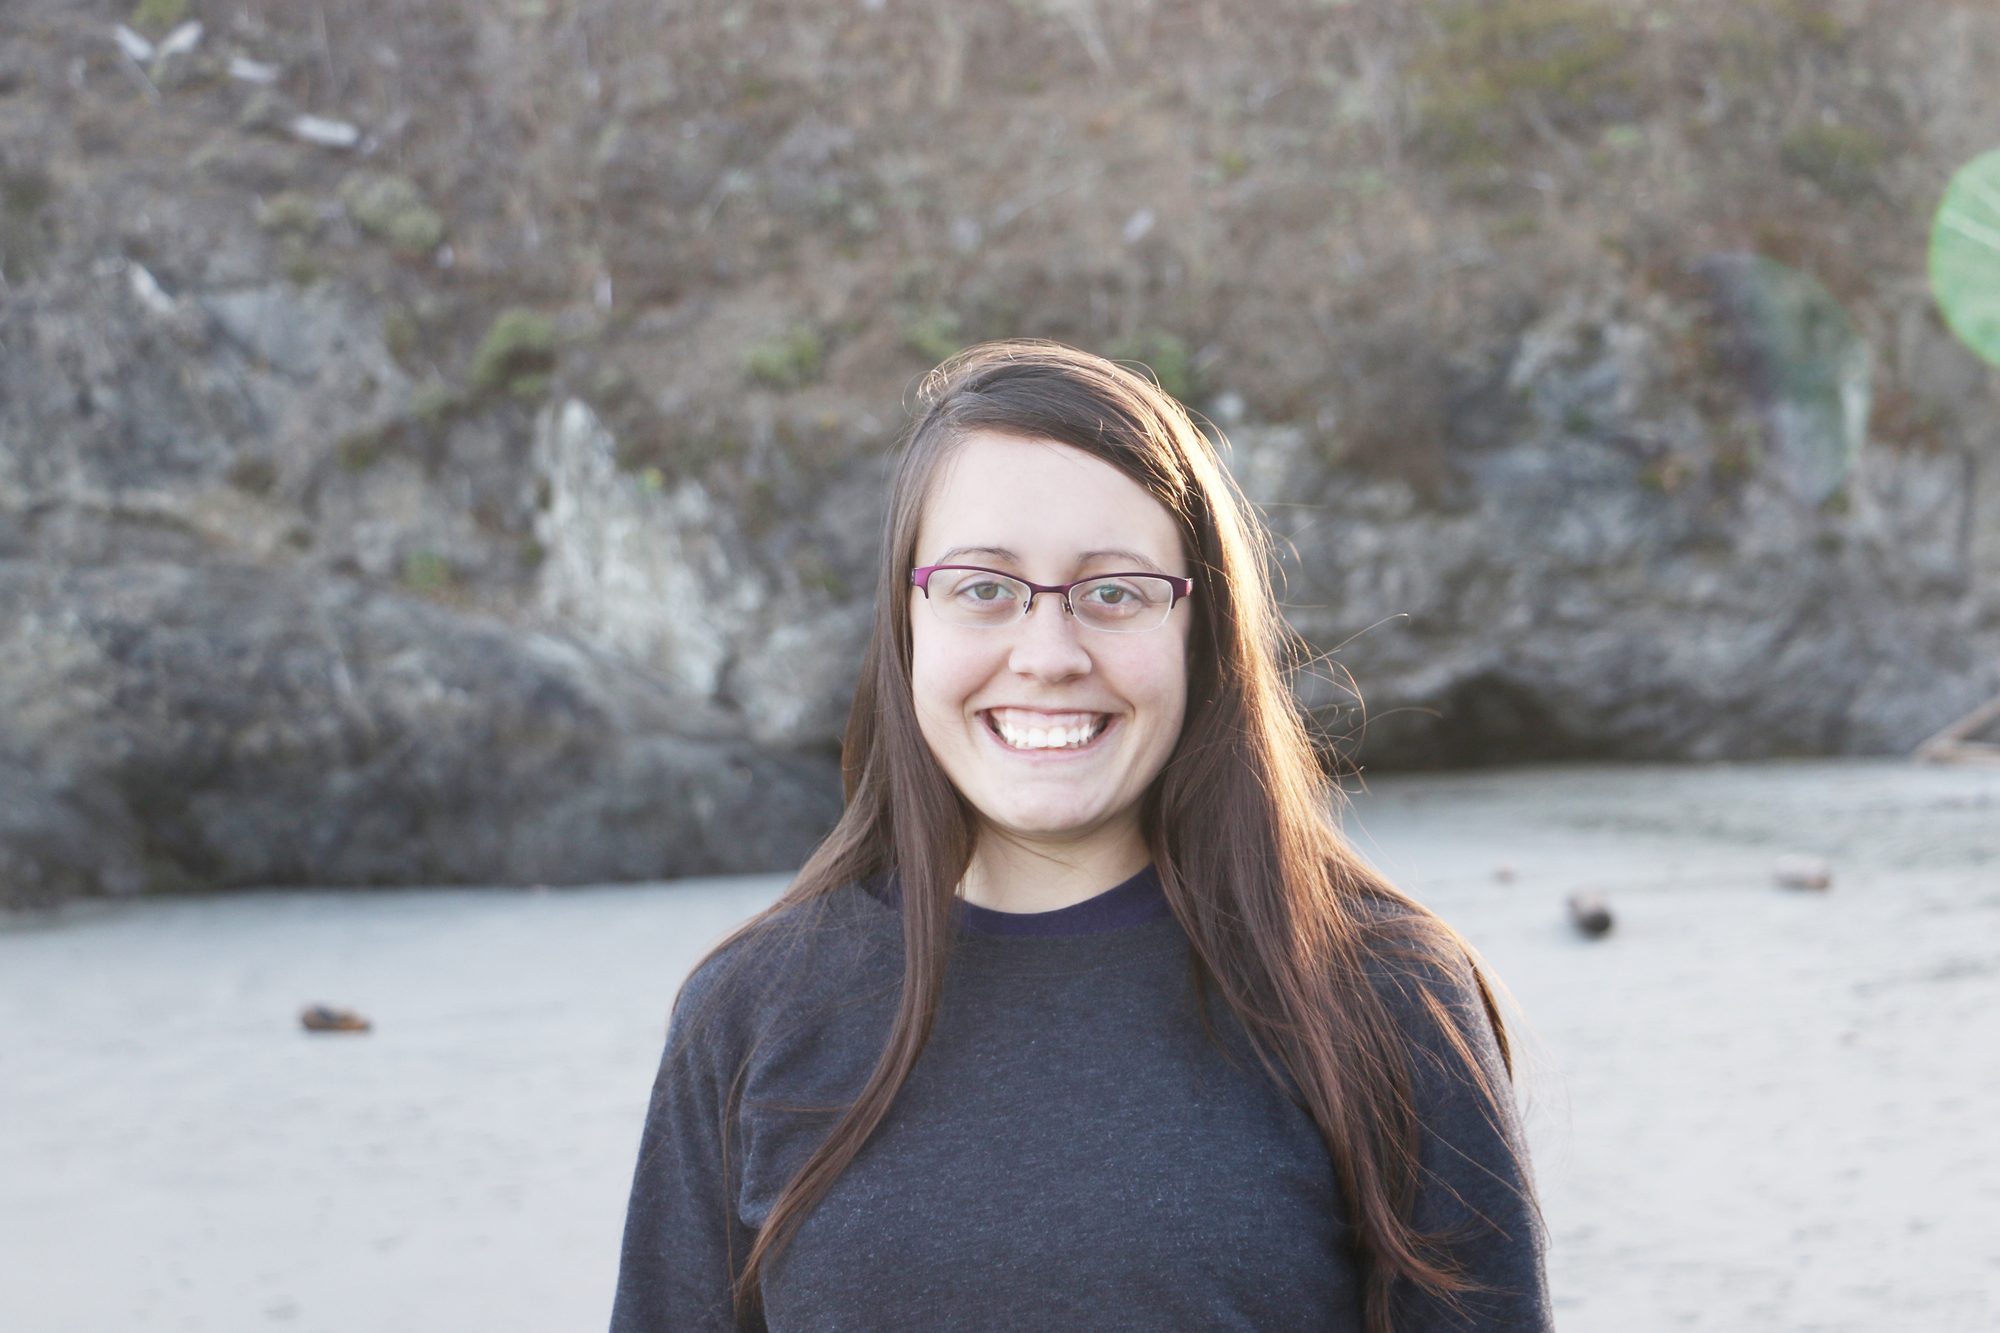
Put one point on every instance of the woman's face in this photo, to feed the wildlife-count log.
(1047, 513)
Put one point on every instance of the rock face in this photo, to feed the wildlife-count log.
(179, 726)
(666, 576)
(1568, 602)
(487, 487)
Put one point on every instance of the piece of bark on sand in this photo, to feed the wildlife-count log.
(1590, 914)
(326, 1018)
(1955, 744)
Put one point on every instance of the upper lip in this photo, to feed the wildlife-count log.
(1047, 712)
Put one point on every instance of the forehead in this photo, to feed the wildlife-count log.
(1044, 502)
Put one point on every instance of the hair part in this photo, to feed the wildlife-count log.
(1282, 916)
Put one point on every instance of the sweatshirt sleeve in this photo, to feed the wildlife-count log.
(1474, 1185)
(684, 1243)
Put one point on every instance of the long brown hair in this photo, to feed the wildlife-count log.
(1282, 916)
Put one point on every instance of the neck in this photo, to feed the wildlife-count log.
(1010, 873)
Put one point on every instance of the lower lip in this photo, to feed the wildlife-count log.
(1059, 752)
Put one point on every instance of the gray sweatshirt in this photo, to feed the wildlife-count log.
(1072, 1151)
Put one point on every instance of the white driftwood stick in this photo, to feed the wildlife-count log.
(1954, 741)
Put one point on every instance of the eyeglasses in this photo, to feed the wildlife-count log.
(989, 599)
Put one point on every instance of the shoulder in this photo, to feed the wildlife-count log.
(1407, 951)
(801, 956)
(1427, 978)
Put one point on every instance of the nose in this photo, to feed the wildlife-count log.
(1046, 645)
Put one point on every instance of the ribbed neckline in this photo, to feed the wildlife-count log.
(1135, 902)
(1132, 903)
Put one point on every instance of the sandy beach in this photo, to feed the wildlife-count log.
(1753, 1108)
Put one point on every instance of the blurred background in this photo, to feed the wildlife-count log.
(445, 443)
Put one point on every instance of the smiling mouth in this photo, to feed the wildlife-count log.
(1019, 729)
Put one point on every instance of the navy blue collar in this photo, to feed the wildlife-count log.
(1134, 903)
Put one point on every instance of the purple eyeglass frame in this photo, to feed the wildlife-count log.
(1179, 589)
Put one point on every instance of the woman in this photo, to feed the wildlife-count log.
(1084, 1016)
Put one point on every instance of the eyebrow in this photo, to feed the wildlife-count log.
(997, 552)
(1002, 553)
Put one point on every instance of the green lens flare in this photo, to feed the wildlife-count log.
(1965, 255)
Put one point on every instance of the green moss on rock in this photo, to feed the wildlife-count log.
(529, 388)
(290, 213)
(427, 572)
(360, 450)
(393, 210)
(1840, 160)
(1162, 353)
(1503, 64)
(434, 403)
(157, 16)
(787, 362)
(27, 191)
(300, 264)
(23, 242)
(933, 334)
(400, 333)
(517, 354)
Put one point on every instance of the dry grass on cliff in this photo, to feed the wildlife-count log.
(795, 208)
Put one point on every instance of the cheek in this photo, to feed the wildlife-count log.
(944, 670)
(1157, 683)
(1171, 691)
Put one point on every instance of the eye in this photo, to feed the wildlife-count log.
(978, 589)
(1113, 594)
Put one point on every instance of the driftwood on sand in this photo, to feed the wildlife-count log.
(1956, 743)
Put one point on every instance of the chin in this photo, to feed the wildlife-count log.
(1055, 820)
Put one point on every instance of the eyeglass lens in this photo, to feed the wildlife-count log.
(1125, 603)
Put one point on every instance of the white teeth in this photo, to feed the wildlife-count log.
(1045, 738)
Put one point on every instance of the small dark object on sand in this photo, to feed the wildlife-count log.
(1799, 871)
(325, 1018)
(1590, 914)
